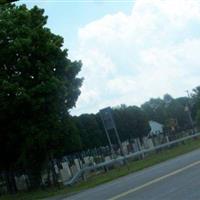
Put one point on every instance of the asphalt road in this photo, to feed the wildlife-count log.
(176, 179)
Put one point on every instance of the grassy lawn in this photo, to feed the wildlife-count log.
(93, 181)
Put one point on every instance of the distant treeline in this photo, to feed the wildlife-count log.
(132, 121)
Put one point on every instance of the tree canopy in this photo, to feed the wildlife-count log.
(131, 122)
(38, 86)
(163, 110)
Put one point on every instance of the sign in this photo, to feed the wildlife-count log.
(106, 117)
(108, 123)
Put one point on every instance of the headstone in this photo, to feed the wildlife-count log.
(137, 141)
(77, 163)
(107, 158)
(124, 147)
(140, 147)
(86, 160)
(146, 146)
(56, 169)
(21, 182)
(125, 150)
(44, 177)
(65, 175)
(135, 147)
(167, 139)
(66, 167)
(91, 159)
(155, 141)
(150, 143)
(130, 148)
(74, 169)
(98, 159)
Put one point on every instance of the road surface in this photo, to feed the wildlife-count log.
(178, 178)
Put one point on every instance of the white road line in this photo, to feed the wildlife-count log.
(154, 181)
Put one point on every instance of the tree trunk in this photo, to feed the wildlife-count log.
(54, 175)
(10, 182)
(34, 179)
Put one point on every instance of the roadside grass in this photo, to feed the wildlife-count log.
(132, 166)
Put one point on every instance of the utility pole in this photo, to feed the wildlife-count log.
(188, 110)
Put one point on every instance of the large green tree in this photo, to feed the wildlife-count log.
(38, 86)
(131, 122)
(90, 130)
(7, 1)
(176, 110)
(166, 109)
(155, 110)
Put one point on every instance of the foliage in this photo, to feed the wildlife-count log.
(131, 122)
(155, 110)
(91, 133)
(38, 86)
(167, 109)
(7, 1)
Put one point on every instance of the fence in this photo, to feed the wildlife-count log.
(123, 159)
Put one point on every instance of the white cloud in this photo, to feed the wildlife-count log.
(130, 58)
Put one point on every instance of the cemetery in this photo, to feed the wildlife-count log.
(69, 166)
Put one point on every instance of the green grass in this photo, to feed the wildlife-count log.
(95, 180)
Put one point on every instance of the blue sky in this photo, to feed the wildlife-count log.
(131, 50)
(65, 17)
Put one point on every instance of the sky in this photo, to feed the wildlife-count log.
(131, 50)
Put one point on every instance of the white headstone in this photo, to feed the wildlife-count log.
(74, 169)
(86, 160)
(76, 161)
(124, 148)
(135, 147)
(66, 167)
(107, 158)
(56, 169)
(65, 174)
(21, 182)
